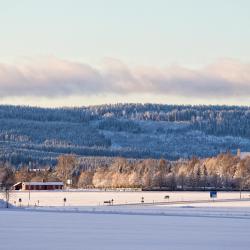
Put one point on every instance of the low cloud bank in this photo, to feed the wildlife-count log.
(60, 78)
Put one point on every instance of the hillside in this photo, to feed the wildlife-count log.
(127, 130)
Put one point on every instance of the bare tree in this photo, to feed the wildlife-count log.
(86, 179)
(6, 181)
(66, 167)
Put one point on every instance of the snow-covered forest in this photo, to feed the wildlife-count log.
(29, 134)
(223, 172)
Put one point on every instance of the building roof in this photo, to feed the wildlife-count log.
(54, 183)
(244, 154)
(18, 183)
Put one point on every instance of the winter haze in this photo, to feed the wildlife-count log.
(54, 78)
(94, 52)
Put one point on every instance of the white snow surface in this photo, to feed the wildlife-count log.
(40, 183)
(124, 228)
(96, 198)
(187, 220)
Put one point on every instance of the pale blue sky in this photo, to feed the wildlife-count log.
(156, 33)
(137, 31)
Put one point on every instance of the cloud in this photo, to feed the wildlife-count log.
(52, 77)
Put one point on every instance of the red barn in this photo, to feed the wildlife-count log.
(38, 186)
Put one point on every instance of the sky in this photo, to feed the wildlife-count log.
(87, 52)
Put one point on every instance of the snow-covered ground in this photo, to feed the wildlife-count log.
(95, 198)
(127, 228)
(188, 220)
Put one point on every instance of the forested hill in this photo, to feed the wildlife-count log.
(128, 130)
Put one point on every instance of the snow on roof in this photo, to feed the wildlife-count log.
(56, 183)
(17, 184)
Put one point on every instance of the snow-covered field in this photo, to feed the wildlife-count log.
(95, 198)
(85, 223)
(129, 229)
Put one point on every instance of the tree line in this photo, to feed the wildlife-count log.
(223, 172)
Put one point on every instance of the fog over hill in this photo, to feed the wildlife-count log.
(128, 130)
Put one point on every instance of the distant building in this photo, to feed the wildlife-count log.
(242, 155)
(38, 186)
